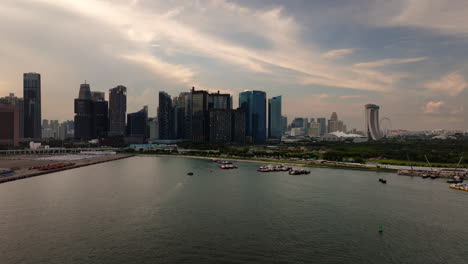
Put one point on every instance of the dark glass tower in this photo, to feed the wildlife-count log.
(254, 105)
(165, 116)
(200, 116)
(117, 110)
(91, 114)
(32, 105)
(275, 124)
(137, 124)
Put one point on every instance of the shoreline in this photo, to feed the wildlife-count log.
(323, 166)
(84, 164)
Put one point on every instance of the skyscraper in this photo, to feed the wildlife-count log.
(137, 125)
(9, 124)
(254, 104)
(117, 110)
(32, 105)
(11, 99)
(238, 126)
(275, 124)
(220, 125)
(333, 123)
(165, 116)
(200, 116)
(245, 102)
(372, 122)
(100, 114)
(323, 125)
(91, 114)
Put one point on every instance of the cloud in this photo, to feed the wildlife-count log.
(441, 108)
(191, 32)
(388, 62)
(337, 53)
(446, 17)
(176, 72)
(354, 96)
(433, 107)
(451, 84)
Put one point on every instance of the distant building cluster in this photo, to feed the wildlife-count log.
(201, 116)
(195, 115)
(315, 127)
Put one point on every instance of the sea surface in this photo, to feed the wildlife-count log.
(148, 210)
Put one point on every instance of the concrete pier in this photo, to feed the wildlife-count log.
(21, 164)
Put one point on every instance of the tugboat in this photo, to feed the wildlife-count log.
(383, 181)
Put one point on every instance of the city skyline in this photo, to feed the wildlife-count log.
(387, 54)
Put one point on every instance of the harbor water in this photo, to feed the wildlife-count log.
(148, 210)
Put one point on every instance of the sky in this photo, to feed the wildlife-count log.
(407, 56)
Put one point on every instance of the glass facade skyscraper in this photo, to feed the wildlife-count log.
(32, 105)
(117, 110)
(275, 124)
(254, 104)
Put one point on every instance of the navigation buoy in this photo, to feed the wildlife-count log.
(380, 228)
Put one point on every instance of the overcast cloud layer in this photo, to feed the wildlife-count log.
(408, 56)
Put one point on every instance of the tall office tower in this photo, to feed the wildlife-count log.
(372, 122)
(200, 116)
(117, 110)
(137, 125)
(238, 133)
(284, 121)
(275, 124)
(340, 126)
(219, 101)
(100, 114)
(245, 104)
(153, 125)
(333, 123)
(11, 99)
(32, 105)
(220, 125)
(254, 104)
(91, 115)
(83, 119)
(165, 116)
(323, 125)
(182, 114)
(9, 124)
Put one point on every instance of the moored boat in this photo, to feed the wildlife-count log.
(459, 186)
(5, 172)
(299, 172)
(455, 179)
(227, 167)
